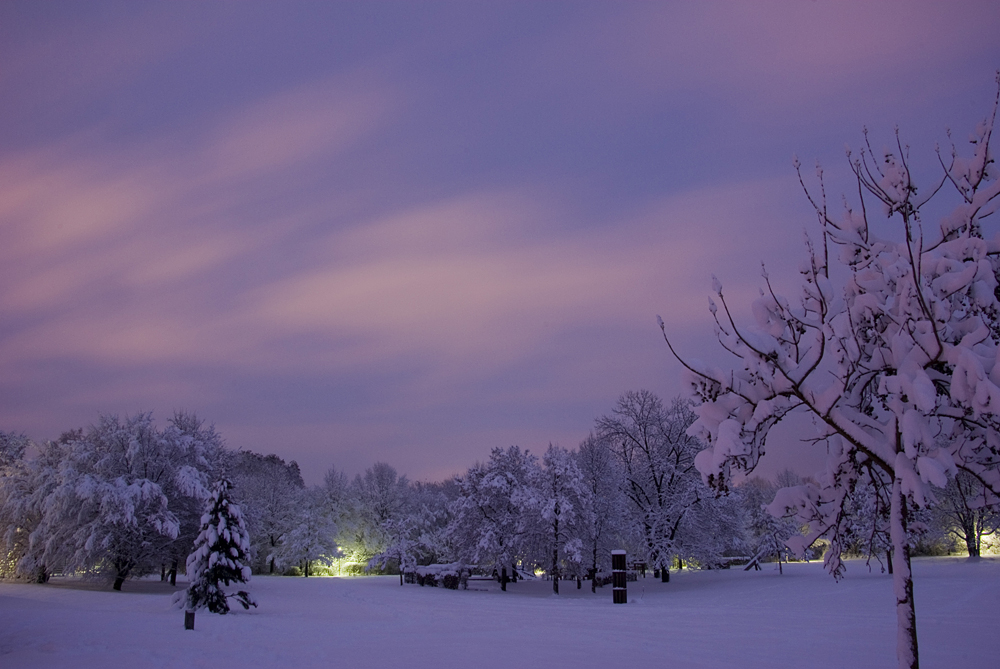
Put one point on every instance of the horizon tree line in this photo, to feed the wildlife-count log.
(122, 499)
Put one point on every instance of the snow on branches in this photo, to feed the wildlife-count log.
(221, 555)
(891, 348)
(113, 499)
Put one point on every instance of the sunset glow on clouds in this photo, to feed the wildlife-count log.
(349, 232)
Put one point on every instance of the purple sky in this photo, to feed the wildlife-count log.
(411, 232)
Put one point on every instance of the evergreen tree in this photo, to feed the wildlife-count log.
(221, 555)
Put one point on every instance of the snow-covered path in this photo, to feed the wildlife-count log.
(700, 619)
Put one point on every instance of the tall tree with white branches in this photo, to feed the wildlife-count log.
(891, 348)
(656, 459)
(488, 524)
(555, 505)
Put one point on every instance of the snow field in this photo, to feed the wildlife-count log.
(700, 619)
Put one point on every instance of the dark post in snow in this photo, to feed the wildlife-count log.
(619, 593)
(189, 620)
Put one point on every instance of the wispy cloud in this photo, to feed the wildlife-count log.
(414, 245)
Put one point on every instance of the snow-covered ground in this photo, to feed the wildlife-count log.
(700, 619)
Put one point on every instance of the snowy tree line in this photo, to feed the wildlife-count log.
(123, 499)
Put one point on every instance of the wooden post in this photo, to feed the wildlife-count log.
(619, 592)
(189, 620)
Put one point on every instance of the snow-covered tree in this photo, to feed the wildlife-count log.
(194, 453)
(106, 511)
(267, 489)
(430, 510)
(711, 528)
(381, 498)
(765, 533)
(221, 555)
(113, 500)
(891, 348)
(488, 524)
(402, 545)
(969, 511)
(26, 488)
(603, 522)
(12, 450)
(311, 534)
(656, 458)
(418, 535)
(866, 522)
(554, 505)
(16, 517)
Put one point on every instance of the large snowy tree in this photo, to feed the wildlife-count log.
(16, 516)
(554, 506)
(488, 523)
(418, 533)
(311, 535)
(105, 510)
(604, 520)
(193, 452)
(112, 500)
(267, 490)
(891, 348)
(656, 461)
(381, 501)
(968, 511)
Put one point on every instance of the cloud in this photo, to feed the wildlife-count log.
(128, 255)
(779, 55)
(451, 243)
(65, 60)
(315, 120)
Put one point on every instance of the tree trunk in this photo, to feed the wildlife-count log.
(121, 573)
(503, 578)
(555, 570)
(906, 616)
(173, 574)
(555, 552)
(972, 543)
(888, 559)
(665, 575)
(593, 574)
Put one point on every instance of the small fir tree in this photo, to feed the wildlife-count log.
(221, 555)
